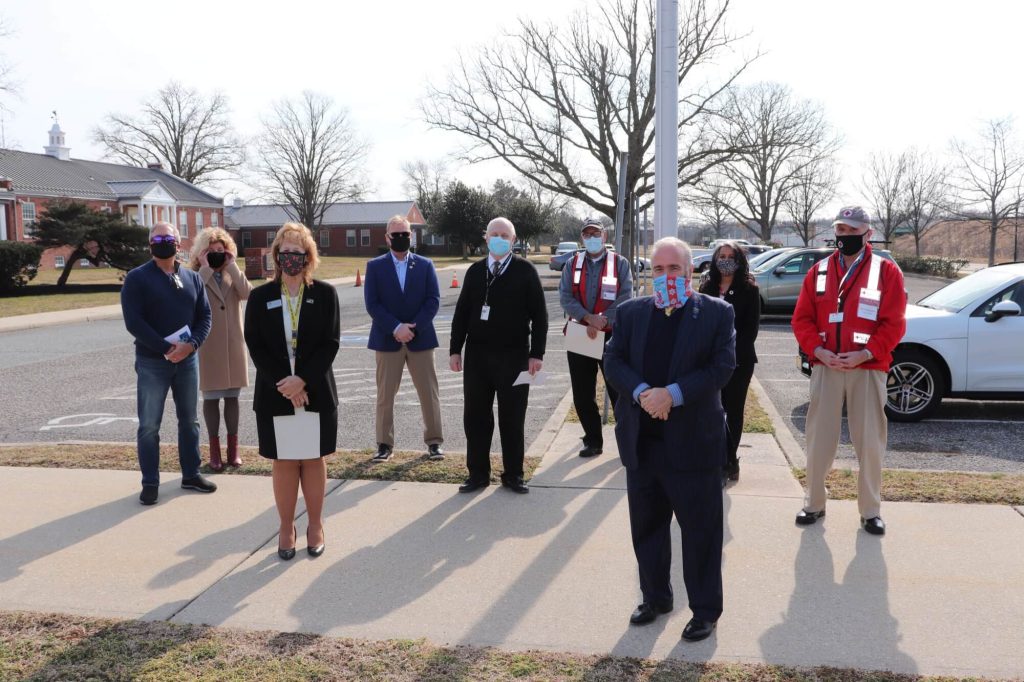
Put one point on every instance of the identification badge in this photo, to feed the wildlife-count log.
(485, 312)
(273, 304)
(861, 338)
(835, 318)
(867, 306)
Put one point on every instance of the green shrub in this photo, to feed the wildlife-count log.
(931, 265)
(19, 263)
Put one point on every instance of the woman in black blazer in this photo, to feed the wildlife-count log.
(293, 331)
(729, 278)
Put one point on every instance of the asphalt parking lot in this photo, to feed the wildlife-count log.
(963, 435)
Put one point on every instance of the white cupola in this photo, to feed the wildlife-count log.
(57, 148)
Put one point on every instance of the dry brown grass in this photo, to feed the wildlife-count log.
(348, 464)
(46, 303)
(332, 267)
(903, 485)
(35, 646)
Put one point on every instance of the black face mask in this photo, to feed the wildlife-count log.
(163, 250)
(400, 243)
(850, 244)
(216, 259)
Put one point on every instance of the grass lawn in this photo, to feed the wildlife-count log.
(36, 646)
(403, 466)
(72, 298)
(332, 267)
(903, 485)
(755, 419)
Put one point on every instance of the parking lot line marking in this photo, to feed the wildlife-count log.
(948, 421)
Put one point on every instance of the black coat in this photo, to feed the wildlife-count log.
(319, 338)
(745, 298)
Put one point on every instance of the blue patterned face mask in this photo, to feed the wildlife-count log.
(498, 246)
(593, 245)
(670, 291)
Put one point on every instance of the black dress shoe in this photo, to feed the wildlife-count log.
(318, 550)
(199, 483)
(806, 518)
(149, 494)
(435, 453)
(515, 484)
(288, 554)
(698, 629)
(645, 613)
(473, 484)
(591, 451)
(875, 525)
(383, 453)
(732, 470)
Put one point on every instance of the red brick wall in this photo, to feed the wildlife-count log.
(338, 245)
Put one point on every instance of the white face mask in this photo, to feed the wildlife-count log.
(594, 245)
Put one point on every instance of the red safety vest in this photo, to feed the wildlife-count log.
(610, 280)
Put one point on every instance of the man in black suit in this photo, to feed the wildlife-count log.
(502, 319)
(669, 358)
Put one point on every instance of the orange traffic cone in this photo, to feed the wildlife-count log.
(455, 280)
(359, 280)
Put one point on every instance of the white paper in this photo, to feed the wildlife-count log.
(298, 436)
(183, 334)
(538, 379)
(577, 341)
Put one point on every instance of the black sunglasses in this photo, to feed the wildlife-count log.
(400, 234)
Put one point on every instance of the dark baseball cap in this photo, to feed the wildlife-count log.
(854, 216)
(592, 222)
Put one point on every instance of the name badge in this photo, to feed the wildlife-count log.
(485, 312)
(867, 306)
(835, 318)
(276, 303)
(861, 338)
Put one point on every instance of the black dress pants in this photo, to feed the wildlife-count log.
(583, 375)
(655, 491)
(488, 373)
(734, 399)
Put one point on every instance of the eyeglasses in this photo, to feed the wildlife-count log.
(163, 239)
(400, 234)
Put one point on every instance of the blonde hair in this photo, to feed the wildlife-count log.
(296, 232)
(400, 220)
(204, 239)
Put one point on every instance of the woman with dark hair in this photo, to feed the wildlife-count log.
(729, 278)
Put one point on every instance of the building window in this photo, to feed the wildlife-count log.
(325, 239)
(350, 238)
(83, 262)
(247, 240)
(106, 209)
(270, 237)
(433, 239)
(199, 221)
(214, 219)
(28, 217)
(58, 262)
(183, 223)
(364, 237)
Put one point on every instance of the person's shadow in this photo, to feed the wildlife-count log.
(845, 625)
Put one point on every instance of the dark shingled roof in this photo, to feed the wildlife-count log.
(350, 213)
(79, 179)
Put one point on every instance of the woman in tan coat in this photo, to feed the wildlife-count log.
(223, 362)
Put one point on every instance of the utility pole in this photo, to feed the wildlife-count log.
(666, 119)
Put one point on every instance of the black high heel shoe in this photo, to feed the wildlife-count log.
(319, 549)
(288, 554)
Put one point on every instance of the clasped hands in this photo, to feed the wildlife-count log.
(656, 402)
(595, 324)
(179, 351)
(294, 389)
(843, 362)
(404, 333)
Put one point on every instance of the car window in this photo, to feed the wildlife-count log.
(1014, 293)
(770, 262)
(811, 258)
(963, 292)
(794, 266)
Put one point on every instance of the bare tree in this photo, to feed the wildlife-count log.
(925, 193)
(988, 175)
(709, 201)
(884, 186)
(8, 86)
(814, 186)
(425, 181)
(310, 156)
(780, 137)
(560, 102)
(189, 133)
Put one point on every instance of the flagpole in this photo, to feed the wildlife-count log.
(666, 119)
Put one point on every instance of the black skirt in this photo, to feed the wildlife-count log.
(328, 434)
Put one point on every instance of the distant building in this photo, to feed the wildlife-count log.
(347, 229)
(144, 196)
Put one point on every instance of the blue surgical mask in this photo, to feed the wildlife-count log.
(498, 246)
(593, 245)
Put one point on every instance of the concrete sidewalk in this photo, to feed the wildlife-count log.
(942, 593)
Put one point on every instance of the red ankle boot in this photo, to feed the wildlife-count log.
(234, 459)
(215, 461)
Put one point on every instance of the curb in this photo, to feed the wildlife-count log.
(787, 443)
(548, 433)
(38, 320)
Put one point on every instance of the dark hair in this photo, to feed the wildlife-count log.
(742, 274)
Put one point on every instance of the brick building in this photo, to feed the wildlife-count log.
(347, 229)
(144, 196)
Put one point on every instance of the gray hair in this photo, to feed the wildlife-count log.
(498, 221)
(678, 244)
(177, 235)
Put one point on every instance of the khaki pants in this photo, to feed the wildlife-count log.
(864, 393)
(424, 378)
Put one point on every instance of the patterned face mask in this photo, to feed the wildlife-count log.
(726, 266)
(671, 291)
(292, 264)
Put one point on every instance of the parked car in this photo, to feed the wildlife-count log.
(520, 248)
(755, 261)
(779, 278)
(755, 249)
(715, 242)
(563, 252)
(962, 341)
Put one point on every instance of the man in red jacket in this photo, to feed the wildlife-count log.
(848, 319)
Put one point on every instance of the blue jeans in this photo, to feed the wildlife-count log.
(155, 376)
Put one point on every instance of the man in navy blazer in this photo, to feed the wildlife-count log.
(402, 296)
(669, 358)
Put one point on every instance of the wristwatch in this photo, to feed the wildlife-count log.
(871, 356)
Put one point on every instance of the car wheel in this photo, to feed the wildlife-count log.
(914, 387)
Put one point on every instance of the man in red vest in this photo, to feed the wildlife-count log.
(848, 319)
(594, 282)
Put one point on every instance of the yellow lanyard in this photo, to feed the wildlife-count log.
(294, 311)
